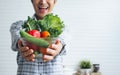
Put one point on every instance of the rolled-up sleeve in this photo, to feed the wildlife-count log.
(65, 39)
(14, 30)
(63, 51)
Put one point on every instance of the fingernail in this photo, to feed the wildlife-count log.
(45, 56)
(33, 55)
(31, 50)
(27, 48)
(44, 60)
(33, 60)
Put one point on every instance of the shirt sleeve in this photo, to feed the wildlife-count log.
(14, 30)
(65, 39)
(63, 51)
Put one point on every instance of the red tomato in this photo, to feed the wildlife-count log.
(35, 33)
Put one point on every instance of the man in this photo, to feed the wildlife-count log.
(51, 62)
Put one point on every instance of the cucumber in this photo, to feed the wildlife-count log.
(37, 41)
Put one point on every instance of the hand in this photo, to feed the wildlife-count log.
(26, 53)
(50, 52)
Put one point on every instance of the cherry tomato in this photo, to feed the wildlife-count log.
(45, 34)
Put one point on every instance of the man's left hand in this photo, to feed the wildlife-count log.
(50, 52)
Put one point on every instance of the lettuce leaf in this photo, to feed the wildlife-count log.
(30, 24)
(53, 24)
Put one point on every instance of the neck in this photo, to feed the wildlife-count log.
(38, 18)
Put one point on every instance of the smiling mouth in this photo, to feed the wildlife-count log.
(42, 7)
(42, 10)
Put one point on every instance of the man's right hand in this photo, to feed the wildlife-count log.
(26, 53)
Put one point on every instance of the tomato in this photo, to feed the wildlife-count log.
(32, 46)
(35, 33)
(45, 34)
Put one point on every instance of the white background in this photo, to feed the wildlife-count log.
(93, 26)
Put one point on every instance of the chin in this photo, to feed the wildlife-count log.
(42, 15)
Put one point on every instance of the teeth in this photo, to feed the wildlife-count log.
(42, 7)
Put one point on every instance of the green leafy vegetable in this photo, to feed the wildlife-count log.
(30, 24)
(52, 24)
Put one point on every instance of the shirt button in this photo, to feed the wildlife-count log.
(40, 62)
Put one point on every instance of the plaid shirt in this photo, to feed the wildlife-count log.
(38, 67)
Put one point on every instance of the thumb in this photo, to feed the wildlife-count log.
(57, 41)
(20, 43)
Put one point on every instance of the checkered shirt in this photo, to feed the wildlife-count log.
(38, 67)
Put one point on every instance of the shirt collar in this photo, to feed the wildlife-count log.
(34, 17)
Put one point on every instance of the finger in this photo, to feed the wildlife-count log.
(48, 51)
(57, 41)
(30, 57)
(54, 46)
(21, 47)
(48, 57)
(27, 53)
(24, 49)
(20, 44)
(51, 52)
